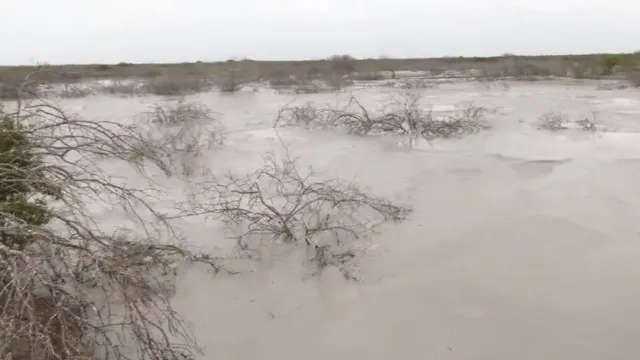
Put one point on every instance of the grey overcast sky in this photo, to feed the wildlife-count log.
(111, 31)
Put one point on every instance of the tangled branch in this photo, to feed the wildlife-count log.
(70, 289)
(183, 130)
(279, 204)
(399, 115)
(552, 121)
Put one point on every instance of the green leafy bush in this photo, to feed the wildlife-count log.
(23, 188)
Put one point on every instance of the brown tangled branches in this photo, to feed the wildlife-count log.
(69, 289)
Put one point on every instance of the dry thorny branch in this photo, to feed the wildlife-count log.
(490, 83)
(68, 288)
(399, 115)
(556, 121)
(588, 123)
(306, 115)
(183, 129)
(280, 204)
(552, 121)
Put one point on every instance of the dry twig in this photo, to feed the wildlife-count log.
(183, 130)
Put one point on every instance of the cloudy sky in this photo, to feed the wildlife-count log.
(91, 31)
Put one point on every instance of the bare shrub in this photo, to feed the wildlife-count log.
(337, 82)
(123, 88)
(466, 120)
(229, 83)
(307, 88)
(280, 204)
(306, 115)
(178, 113)
(342, 64)
(71, 288)
(11, 89)
(588, 124)
(183, 130)
(418, 84)
(73, 91)
(14, 86)
(370, 76)
(311, 85)
(634, 78)
(612, 86)
(284, 82)
(353, 117)
(492, 83)
(552, 121)
(236, 75)
(292, 85)
(176, 85)
(400, 114)
(390, 84)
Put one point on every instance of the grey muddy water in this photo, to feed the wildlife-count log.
(523, 244)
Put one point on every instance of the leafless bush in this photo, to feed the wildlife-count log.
(306, 115)
(183, 129)
(10, 89)
(179, 113)
(307, 88)
(280, 204)
(390, 84)
(176, 85)
(342, 64)
(552, 121)
(326, 83)
(230, 82)
(634, 78)
(588, 124)
(612, 86)
(337, 82)
(491, 83)
(466, 120)
(73, 91)
(285, 81)
(293, 85)
(399, 115)
(123, 88)
(69, 287)
(369, 76)
(353, 117)
(418, 84)
(14, 86)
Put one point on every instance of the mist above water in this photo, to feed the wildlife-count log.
(523, 244)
